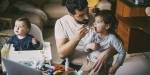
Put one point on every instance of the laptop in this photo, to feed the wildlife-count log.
(14, 68)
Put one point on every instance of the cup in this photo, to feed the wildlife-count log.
(136, 2)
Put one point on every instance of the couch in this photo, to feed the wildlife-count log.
(39, 12)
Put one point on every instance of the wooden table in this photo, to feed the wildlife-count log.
(135, 33)
(127, 9)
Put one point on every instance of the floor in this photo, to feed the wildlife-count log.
(135, 64)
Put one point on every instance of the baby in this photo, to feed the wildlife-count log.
(22, 40)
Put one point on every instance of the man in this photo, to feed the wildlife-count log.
(70, 32)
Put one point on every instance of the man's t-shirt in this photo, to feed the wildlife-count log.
(66, 27)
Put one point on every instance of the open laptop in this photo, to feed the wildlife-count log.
(13, 68)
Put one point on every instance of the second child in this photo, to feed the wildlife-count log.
(22, 40)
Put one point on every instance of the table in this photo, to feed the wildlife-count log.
(127, 9)
(135, 33)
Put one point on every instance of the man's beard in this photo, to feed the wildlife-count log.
(83, 22)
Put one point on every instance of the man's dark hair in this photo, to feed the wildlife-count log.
(73, 5)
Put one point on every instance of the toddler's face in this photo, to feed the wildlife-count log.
(20, 28)
(99, 24)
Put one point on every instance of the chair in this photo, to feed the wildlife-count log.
(74, 66)
(37, 33)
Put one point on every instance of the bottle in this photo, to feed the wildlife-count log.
(49, 72)
(80, 72)
(136, 2)
(66, 64)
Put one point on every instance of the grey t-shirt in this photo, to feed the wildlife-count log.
(108, 41)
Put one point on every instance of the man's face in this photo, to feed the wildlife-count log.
(82, 17)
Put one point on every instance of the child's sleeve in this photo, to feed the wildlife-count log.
(117, 44)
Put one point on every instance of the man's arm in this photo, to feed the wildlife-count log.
(66, 46)
(103, 58)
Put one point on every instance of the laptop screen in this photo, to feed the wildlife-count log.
(14, 68)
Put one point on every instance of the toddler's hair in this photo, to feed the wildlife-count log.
(108, 18)
(25, 20)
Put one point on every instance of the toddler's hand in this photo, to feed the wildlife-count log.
(92, 46)
(34, 41)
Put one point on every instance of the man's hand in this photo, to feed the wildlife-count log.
(81, 33)
(92, 46)
(103, 57)
(66, 46)
(100, 62)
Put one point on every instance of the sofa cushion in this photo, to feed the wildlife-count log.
(55, 10)
(35, 19)
(36, 15)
